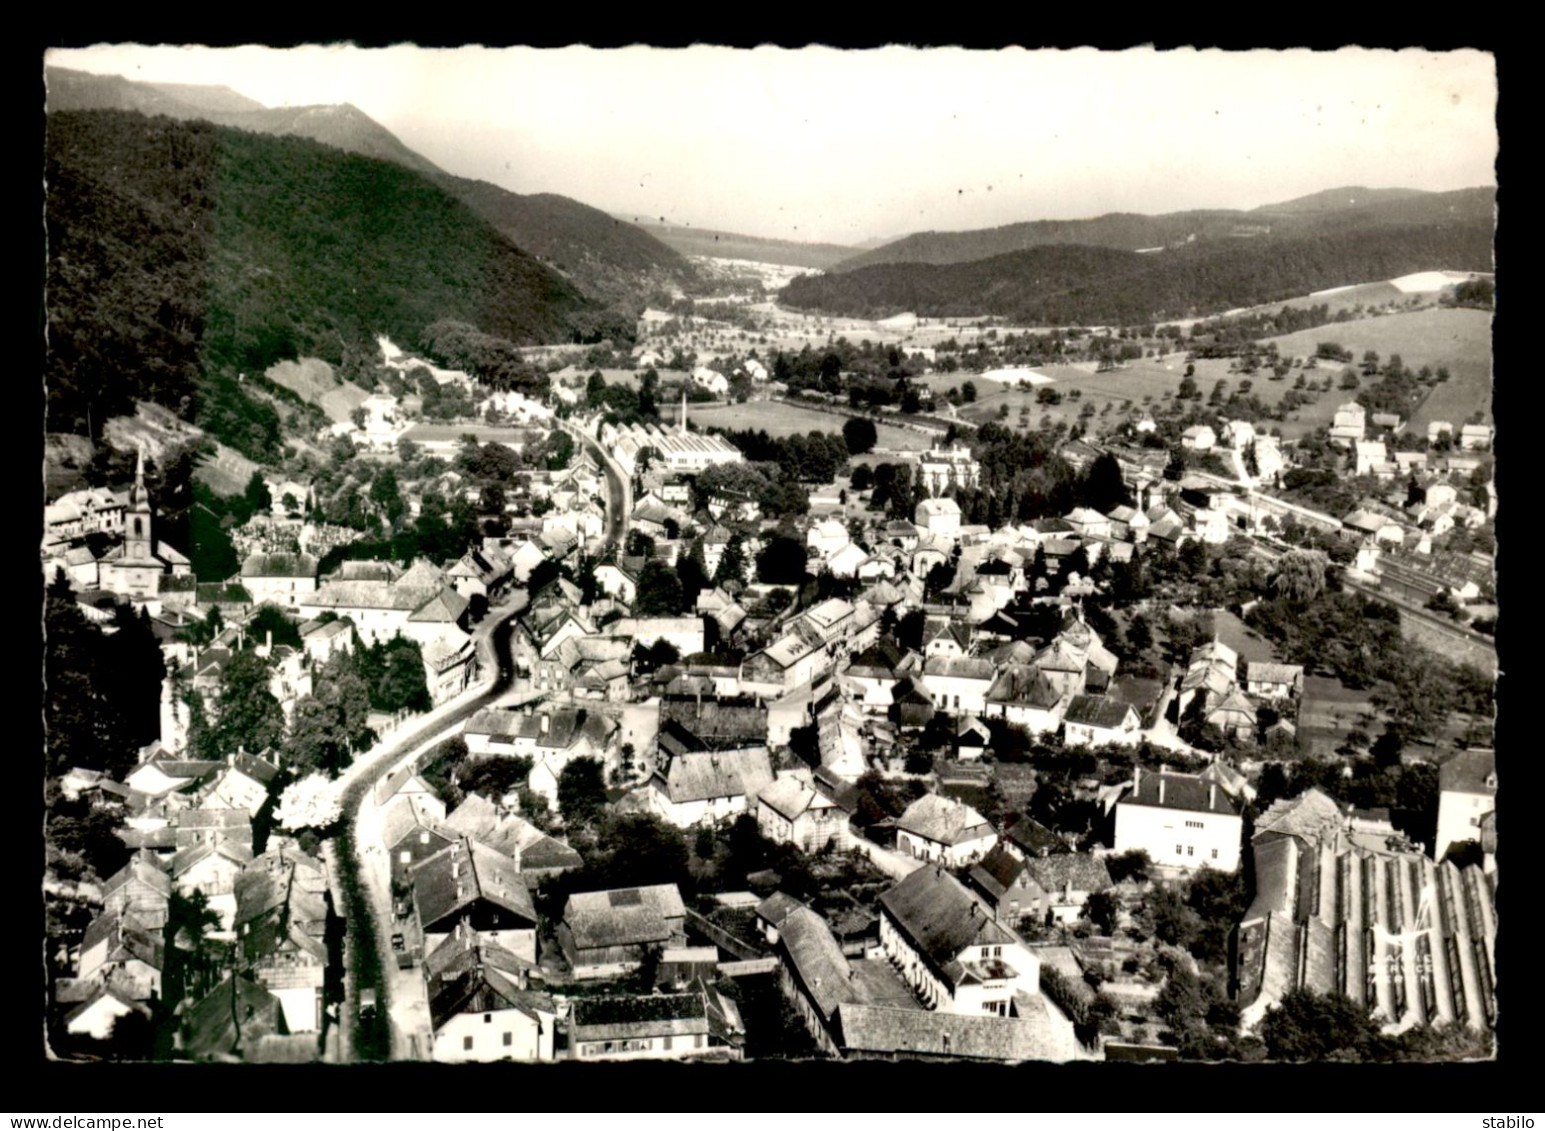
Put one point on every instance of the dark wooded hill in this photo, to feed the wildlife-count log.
(608, 259)
(1080, 285)
(1344, 209)
(182, 254)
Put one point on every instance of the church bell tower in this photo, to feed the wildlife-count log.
(137, 542)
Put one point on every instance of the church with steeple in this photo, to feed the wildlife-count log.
(134, 568)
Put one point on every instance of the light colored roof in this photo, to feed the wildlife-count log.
(959, 667)
(944, 820)
(623, 916)
(789, 797)
(702, 777)
(1261, 672)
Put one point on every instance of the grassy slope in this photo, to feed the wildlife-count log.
(780, 420)
(1459, 339)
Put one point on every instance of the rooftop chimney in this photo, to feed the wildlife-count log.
(1161, 789)
(1212, 796)
(547, 721)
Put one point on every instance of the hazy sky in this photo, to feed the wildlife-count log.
(840, 146)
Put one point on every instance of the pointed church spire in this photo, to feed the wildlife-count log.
(139, 498)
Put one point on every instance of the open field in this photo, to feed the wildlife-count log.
(313, 380)
(1252, 648)
(1459, 339)
(779, 420)
(227, 473)
(1329, 712)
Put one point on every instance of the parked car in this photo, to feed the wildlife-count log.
(399, 944)
(367, 1002)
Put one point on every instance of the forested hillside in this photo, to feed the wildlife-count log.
(1071, 285)
(1337, 210)
(180, 253)
(606, 258)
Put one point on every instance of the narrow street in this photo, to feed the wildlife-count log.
(401, 1028)
(367, 915)
(619, 489)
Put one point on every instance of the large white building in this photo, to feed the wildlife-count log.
(1180, 820)
(676, 449)
(1467, 785)
(945, 468)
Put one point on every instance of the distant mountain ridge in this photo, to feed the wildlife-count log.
(1078, 284)
(611, 261)
(1335, 209)
(737, 245)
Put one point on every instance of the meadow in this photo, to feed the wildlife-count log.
(779, 419)
(1435, 336)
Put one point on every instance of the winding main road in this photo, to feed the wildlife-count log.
(619, 488)
(394, 1030)
(368, 933)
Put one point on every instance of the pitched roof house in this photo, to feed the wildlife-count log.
(479, 1005)
(659, 1025)
(706, 786)
(939, 828)
(1040, 888)
(951, 949)
(1180, 820)
(469, 882)
(605, 933)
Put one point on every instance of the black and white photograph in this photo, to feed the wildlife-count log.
(915, 554)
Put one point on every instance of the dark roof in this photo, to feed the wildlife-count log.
(716, 719)
(1035, 838)
(610, 1018)
(1469, 771)
(462, 873)
(997, 871)
(1180, 791)
(1097, 711)
(1024, 684)
(231, 1018)
(878, 661)
(941, 918)
(466, 975)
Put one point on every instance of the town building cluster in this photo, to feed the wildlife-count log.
(786, 705)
